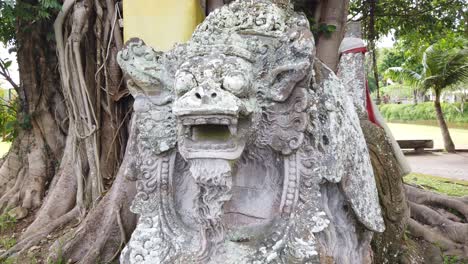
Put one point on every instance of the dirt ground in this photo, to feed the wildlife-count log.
(440, 164)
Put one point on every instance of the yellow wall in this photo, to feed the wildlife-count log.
(161, 23)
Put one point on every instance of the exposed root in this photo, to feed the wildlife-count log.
(439, 219)
(27, 242)
(11, 198)
(24, 173)
(100, 235)
(424, 232)
(457, 232)
(420, 196)
(61, 197)
(12, 164)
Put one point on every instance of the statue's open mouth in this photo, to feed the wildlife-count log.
(210, 136)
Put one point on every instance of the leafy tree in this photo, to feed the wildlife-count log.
(441, 68)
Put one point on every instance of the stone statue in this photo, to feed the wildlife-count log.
(247, 149)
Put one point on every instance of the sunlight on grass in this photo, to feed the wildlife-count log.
(410, 131)
(439, 184)
(4, 147)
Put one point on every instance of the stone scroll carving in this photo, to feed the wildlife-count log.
(248, 149)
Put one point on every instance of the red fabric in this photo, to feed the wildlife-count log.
(369, 106)
(356, 50)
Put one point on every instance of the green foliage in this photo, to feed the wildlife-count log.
(423, 111)
(420, 22)
(389, 57)
(451, 260)
(396, 90)
(6, 222)
(9, 261)
(9, 125)
(307, 7)
(371, 82)
(26, 11)
(7, 242)
(443, 65)
(324, 29)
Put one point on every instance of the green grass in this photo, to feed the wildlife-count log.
(4, 147)
(7, 242)
(412, 131)
(423, 111)
(439, 184)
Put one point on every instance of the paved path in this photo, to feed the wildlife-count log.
(440, 164)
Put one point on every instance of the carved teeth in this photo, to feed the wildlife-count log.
(187, 122)
(201, 121)
(233, 129)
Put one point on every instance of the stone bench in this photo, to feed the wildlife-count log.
(418, 145)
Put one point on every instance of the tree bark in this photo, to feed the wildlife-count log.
(448, 142)
(31, 162)
(211, 5)
(334, 12)
(388, 246)
(74, 124)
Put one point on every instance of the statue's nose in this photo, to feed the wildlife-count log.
(206, 94)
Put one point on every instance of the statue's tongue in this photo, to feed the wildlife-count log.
(214, 181)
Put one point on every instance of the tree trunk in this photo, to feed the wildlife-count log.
(31, 162)
(448, 142)
(334, 12)
(212, 5)
(74, 129)
(415, 96)
(388, 246)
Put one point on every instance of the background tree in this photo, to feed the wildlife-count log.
(441, 68)
(418, 23)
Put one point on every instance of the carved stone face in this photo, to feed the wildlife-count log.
(214, 104)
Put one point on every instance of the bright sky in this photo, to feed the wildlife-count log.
(386, 41)
(5, 55)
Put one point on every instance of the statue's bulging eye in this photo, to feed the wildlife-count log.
(236, 83)
(185, 81)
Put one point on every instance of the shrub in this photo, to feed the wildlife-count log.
(8, 122)
(424, 111)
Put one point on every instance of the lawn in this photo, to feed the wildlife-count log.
(411, 131)
(439, 184)
(4, 147)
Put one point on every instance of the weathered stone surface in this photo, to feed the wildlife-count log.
(247, 152)
(18, 213)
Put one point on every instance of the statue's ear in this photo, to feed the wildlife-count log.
(291, 65)
(142, 67)
(342, 149)
(285, 77)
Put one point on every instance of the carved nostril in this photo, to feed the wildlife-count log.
(198, 95)
(213, 95)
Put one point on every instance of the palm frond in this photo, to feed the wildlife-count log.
(406, 76)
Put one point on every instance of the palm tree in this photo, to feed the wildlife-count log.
(440, 69)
